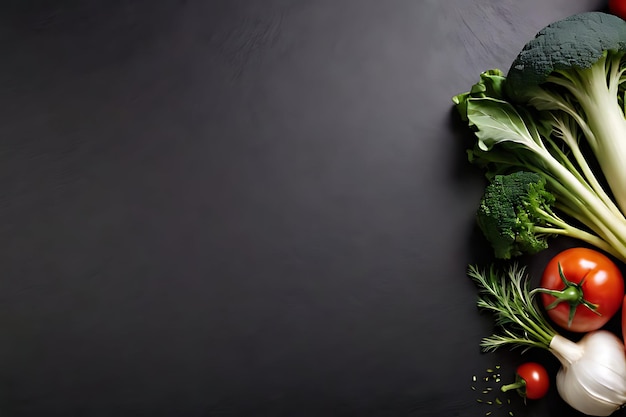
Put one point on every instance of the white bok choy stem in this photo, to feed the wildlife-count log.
(592, 378)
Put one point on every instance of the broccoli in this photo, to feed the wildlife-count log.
(506, 215)
(576, 66)
(561, 90)
(567, 49)
(516, 216)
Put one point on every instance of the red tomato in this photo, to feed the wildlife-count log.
(531, 381)
(581, 289)
(618, 8)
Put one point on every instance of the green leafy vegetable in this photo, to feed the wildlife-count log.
(565, 87)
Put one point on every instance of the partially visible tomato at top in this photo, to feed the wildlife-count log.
(618, 8)
(581, 289)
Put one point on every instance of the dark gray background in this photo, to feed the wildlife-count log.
(259, 208)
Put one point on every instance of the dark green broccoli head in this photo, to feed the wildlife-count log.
(510, 210)
(578, 41)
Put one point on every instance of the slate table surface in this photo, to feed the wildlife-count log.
(247, 208)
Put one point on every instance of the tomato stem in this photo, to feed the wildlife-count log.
(571, 293)
(519, 385)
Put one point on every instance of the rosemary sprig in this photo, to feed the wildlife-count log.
(507, 296)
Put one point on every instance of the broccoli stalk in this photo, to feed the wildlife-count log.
(516, 216)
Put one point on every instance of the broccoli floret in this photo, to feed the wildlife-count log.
(575, 43)
(516, 216)
(511, 210)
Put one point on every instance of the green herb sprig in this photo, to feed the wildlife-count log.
(508, 296)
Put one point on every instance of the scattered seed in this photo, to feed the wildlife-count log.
(474, 378)
(498, 367)
(473, 388)
(490, 370)
(489, 388)
(488, 413)
(479, 400)
(508, 401)
(497, 379)
(490, 402)
(511, 413)
(498, 401)
(486, 378)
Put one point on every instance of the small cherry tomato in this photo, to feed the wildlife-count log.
(618, 8)
(531, 381)
(581, 289)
